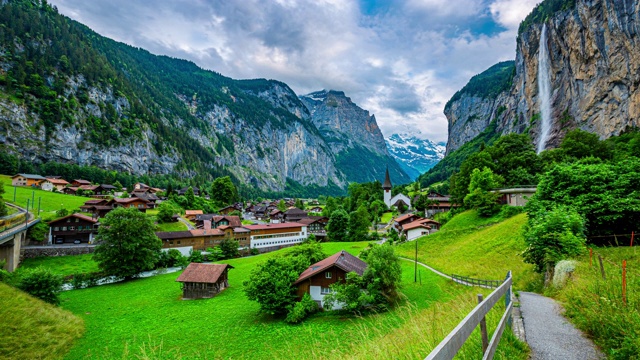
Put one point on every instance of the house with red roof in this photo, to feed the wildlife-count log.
(317, 278)
(202, 281)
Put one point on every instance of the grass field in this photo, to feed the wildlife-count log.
(146, 318)
(386, 217)
(63, 265)
(596, 306)
(171, 226)
(468, 245)
(33, 329)
(49, 202)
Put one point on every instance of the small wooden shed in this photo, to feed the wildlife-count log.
(202, 281)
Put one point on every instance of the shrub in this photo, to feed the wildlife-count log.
(254, 251)
(562, 272)
(62, 213)
(215, 254)
(41, 283)
(301, 310)
(229, 248)
(196, 256)
(79, 281)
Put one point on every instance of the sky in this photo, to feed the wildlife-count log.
(401, 60)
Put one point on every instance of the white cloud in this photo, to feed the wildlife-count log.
(400, 61)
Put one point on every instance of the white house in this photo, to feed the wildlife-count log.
(396, 200)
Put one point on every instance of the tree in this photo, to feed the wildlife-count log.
(41, 283)
(3, 207)
(299, 204)
(376, 289)
(229, 248)
(190, 197)
(580, 144)
(479, 196)
(337, 226)
(223, 190)
(127, 243)
(38, 232)
(270, 285)
(552, 236)
(117, 185)
(166, 210)
(282, 206)
(359, 224)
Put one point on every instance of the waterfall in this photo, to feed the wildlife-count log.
(544, 90)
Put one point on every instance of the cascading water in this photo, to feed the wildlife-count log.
(544, 90)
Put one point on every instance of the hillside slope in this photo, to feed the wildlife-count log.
(482, 248)
(33, 329)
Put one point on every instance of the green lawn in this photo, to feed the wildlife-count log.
(386, 217)
(171, 226)
(63, 265)
(147, 318)
(49, 202)
(467, 245)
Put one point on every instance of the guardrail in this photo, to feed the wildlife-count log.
(449, 347)
(476, 282)
(13, 220)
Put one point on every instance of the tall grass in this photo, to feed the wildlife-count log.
(33, 329)
(595, 305)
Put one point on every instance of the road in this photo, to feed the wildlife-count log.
(189, 226)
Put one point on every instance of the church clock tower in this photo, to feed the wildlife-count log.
(386, 187)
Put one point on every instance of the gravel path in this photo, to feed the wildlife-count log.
(189, 226)
(549, 334)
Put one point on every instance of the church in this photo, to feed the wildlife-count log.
(396, 200)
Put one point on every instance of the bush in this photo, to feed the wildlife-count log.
(254, 251)
(215, 254)
(41, 283)
(62, 213)
(301, 310)
(229, 248)
(196, 256)
(171, 258)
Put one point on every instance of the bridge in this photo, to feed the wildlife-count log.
(13, 233)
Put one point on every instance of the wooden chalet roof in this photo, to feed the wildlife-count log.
(82, 182)
(170, 235)
(342, 260)
(404, 217)
(57, 181)
(295, 211)
(192, 212)
(127, 200)
(206, 232)
(419, 223)
(95, 201)
(30, 176)
(273, 226)
(76, 215)
(203, 273)
(107, 187)
(311, 219)
(88, 187)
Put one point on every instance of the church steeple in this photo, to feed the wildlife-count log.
(387, 181)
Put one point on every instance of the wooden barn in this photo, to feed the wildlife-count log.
(202, 281)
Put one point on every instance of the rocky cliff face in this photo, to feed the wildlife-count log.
(353, 136)
(594, 52)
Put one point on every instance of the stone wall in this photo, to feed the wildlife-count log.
(36, 251)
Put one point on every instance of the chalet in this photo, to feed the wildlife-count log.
(439, 203)
(276, 216)
(104, 189)
(404, 219)
(70, 190)
(53, 183)
(260, 212)
(217, 220)
(317, 278)
(141, 186)
(86, 188)
(516, 196)
(315, 209)
(26, 180)
(202, 239)
(316, 225)
(93, 202)
(191, 214)
(147, 195)
(73, 229)
(202, 281)
(140, 204)
(416, 229)
(183, 191)
(294, 214)
(80, 182)
(227, 209)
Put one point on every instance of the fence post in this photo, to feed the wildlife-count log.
(624, 281)
(507, 299)
(632, 239)
(483, 330)
(604, 276)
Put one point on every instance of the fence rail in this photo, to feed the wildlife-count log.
(449, 347)
(477, 282)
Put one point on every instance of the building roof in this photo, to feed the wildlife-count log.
(95, 201)
(82, 182)
(342, 259)
(170, 235)
(275, 212)
(88, 187)
(107, 187)
(76, 215)
(193, 212)
(273, 226)
(387, 181)
(404, 217)
(295, 211)
(128, 200)
(203, 273)
(30, 176)
(310, 220)
(240, 230)
(57, 181)
(415, 225)
(206, 232)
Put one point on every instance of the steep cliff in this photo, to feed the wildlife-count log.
(353, 135)
(71, 95)
(593, 54)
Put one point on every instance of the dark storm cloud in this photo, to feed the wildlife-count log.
(400, 60)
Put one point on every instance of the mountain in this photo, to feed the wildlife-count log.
(593, 49)
(354, 136)
(70, 95)
(415, 156)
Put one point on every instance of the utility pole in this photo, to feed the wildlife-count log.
(415, 270)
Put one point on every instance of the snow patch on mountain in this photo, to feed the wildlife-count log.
(414, 155)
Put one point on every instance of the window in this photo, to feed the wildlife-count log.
(327, 274)
(325, 290)
(77, 220)
(56, 229)
(64, 228)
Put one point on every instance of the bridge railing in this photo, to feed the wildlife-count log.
(13, 220)
(449, 347)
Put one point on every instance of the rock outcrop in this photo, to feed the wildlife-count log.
(594, 50)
